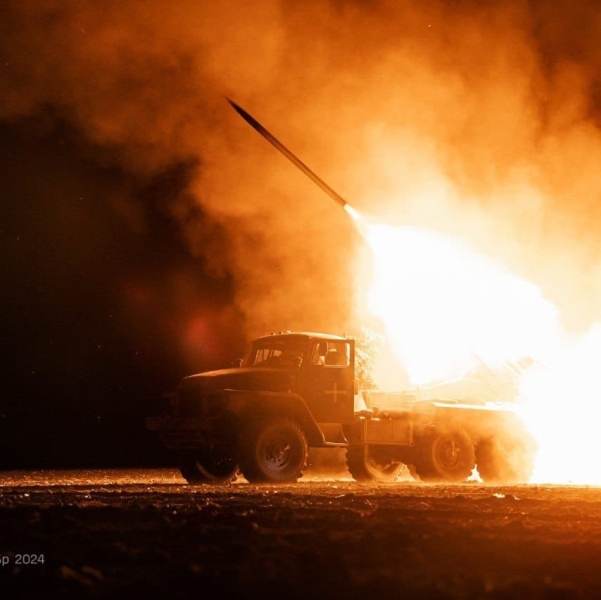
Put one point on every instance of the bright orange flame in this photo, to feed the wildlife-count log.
(562, 410)
(446, 308)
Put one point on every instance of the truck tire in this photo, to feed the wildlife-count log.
(274, 451)
(372, 463)
(506, 458)
(208, 466)
(446, 455)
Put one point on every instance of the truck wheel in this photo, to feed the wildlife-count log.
(371, 463)
(274, 451)
(447, 455)
(506, 459)
(207, 467)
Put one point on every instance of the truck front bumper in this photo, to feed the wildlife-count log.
(179, 432)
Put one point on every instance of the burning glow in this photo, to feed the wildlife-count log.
(562, 410)
(447, 309)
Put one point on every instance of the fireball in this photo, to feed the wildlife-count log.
(446, 309)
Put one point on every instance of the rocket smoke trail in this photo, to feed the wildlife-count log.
(289, 155)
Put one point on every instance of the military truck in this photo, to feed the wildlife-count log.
(296, 391)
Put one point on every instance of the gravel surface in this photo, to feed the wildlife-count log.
(125, 532)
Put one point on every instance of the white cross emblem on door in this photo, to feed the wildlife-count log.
(334, 392)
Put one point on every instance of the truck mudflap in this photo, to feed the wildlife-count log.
(178, 432)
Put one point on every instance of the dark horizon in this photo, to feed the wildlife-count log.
(89, 323)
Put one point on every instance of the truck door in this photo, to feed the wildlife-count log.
(327, 380)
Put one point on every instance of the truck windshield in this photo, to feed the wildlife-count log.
(331, 354)
(279, 353)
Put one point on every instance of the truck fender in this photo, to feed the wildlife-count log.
(250, 406)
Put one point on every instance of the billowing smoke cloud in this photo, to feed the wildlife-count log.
(475, 119)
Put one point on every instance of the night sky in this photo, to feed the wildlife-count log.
(147, 232)
(92, 329)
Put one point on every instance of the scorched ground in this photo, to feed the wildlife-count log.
(132, 532)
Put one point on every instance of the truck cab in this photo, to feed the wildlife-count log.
(291, 391)
(322, 369)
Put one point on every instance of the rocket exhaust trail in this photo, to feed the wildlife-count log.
(291, 157)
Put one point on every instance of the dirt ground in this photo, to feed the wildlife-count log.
(120, 532)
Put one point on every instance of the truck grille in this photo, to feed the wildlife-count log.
(195, 403)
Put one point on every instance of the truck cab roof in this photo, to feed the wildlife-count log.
(302, 334)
